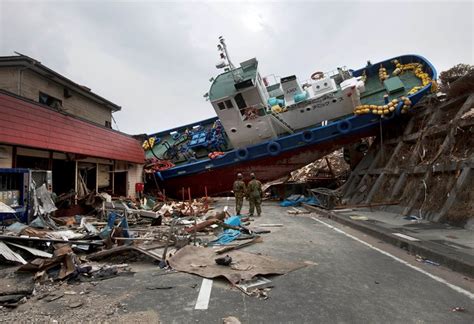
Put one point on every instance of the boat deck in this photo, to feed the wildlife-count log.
(375, 90)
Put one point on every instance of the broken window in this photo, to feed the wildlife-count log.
(48, 100)
(239, 99)
(228, 104)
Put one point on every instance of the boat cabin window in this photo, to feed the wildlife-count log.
(225, 104)
(228, 104)
(239, 99)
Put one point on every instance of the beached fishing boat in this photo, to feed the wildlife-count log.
(274, 125)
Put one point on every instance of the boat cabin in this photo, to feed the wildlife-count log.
(252, 111)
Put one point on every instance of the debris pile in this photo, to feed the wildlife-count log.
(89, 248)
(331, 166)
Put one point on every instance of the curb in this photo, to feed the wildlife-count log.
(450, 258)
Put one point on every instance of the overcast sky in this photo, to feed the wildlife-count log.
(155, 58)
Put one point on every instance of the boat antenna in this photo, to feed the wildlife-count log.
(224, 53)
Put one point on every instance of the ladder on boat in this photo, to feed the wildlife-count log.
(282, 123)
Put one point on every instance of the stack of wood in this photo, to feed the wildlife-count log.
(331, 166)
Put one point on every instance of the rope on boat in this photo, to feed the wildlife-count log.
(388, 108)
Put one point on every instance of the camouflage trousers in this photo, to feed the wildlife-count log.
(255, 202)
(239, 201)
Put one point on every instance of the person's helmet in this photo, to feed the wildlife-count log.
(239, 175)
(252, 175)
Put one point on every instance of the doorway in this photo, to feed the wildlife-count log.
(120, 183)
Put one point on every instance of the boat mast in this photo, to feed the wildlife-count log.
(224, 53)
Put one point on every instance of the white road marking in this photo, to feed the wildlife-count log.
(441, 280)
(406, 237)
(202, 301)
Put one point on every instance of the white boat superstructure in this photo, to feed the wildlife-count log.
(251, 110)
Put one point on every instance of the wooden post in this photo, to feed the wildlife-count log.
(75, 182)
(97, 178)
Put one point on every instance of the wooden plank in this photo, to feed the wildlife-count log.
(257, 239)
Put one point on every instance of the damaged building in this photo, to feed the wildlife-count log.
(51, 123)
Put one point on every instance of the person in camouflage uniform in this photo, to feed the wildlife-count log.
(254, 194)
(239, 192)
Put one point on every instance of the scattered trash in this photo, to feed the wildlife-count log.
(270, 225)
(258, 282)
(427, 261)
(458, 309)
(225, 261)
(175, 235)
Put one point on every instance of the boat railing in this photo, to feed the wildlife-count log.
(328, 74)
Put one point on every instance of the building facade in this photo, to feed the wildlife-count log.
(48, 122)
(28, 78)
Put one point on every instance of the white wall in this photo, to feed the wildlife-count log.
(135, 175)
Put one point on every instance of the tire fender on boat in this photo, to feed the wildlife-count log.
(273, 148)
(344, 126)
(307, 136)
(242, 154)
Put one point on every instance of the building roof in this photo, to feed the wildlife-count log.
(34, 65)
(224, 84)
(27, 123)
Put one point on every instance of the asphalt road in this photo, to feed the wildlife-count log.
(348, 282)
(351, 283)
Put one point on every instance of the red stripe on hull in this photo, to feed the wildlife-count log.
(220, 180)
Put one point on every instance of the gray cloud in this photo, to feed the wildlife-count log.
(155, 58)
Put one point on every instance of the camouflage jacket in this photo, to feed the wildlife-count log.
(239, 188)
(254, 188)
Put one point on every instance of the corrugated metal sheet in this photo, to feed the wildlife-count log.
(25, 123)
(33, 251)
(8, 254)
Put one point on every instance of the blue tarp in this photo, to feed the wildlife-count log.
(233, 221)
(229, 234)
(105, 233)
(296, 200)
(226, 237)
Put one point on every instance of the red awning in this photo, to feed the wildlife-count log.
(25, 123)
